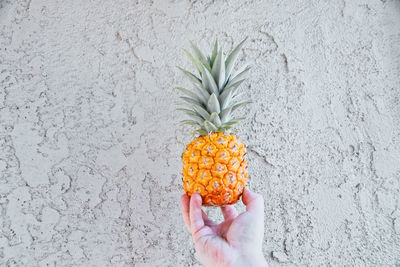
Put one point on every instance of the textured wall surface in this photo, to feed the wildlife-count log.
(90, 145)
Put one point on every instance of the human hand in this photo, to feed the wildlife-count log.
(237, 241)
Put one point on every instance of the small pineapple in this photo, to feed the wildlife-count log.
(214, 164)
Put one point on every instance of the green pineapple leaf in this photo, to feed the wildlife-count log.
(227, 95)
(214, 118)
(201, 111)
(192, 114)
(189, 100)
(202, 91)
(225, 114)
(191, 76)
(196, 63)
(236, 106)
(218, 70)
(199, 98)
(224, 128)
(200, 56)
(239, 75)
(230, 60)
(213, 104)
(210, 105)
(200, 132)
(208, 82)
(209, 126)
(191, 122)
(229, 123)
(214, 52)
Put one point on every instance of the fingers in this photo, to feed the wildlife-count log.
(185, 202)
(254, 202)
(195, 213)
(229, 212)
(185, 210)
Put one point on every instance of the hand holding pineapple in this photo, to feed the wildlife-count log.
(237, 241)
(214, 164)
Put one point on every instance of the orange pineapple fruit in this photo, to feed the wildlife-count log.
(214, 163)
(214, 170)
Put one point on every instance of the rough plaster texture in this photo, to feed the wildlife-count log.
(90, 144)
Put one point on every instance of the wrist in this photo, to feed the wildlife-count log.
(253, 260)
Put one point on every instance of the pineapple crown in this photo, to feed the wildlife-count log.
(214, 98)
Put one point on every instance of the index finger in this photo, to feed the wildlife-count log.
(195, 212)
(185, 210)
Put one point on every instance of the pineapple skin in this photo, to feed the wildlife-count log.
(215, 166)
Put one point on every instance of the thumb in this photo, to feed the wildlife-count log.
(254, 202)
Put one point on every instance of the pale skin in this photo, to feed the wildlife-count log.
(237, 241)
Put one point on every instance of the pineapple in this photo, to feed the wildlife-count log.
(214, 163)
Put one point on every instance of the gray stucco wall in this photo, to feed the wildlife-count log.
(90, 144)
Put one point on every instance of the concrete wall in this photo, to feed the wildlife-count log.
(90, 145)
